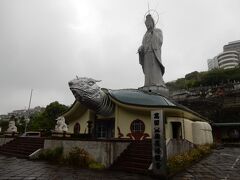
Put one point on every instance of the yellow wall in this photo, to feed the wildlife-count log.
(168, 130)
(186, 125)
(188, 130)
(195, 132)
(82, 120)
(124, 118)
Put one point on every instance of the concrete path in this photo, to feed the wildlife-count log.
(223, 164)
(16, 169)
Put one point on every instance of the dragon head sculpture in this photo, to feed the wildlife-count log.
(85, 89)
(88, 93)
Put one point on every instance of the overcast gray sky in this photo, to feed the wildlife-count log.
(46, 43)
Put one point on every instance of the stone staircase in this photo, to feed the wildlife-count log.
(22, 147)
(136, 158)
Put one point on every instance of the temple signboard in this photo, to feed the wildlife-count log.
(158, 142)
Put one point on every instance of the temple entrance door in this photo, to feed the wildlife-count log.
(176, 130)
(104, 128)
(76, 129)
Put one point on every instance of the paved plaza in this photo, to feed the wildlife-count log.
(16, 169)
(222, 164)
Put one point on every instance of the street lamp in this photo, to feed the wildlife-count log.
(27, 119)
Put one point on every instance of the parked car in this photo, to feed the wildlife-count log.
(31, 134)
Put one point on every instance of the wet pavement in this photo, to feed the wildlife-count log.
(221, 164)
(16, 169)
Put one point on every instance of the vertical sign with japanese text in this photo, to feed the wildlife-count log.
(158, 142)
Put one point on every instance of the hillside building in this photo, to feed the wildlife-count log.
(213, 63)
(229, 58)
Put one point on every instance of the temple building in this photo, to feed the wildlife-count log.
(132, 119)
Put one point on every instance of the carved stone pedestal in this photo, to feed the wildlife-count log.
(60, 134)
(11, 134)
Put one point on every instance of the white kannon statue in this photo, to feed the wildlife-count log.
(11, 127)
(150, 54)
(61, 126)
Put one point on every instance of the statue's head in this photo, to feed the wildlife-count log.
(149, 22)
(60, 120)
(85, 89)
(11, 126)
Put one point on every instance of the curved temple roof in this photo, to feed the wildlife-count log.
(139, 98)
(135, 97)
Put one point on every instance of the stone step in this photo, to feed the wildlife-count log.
(22, 147)
(23, 142)
(121, 164)
(27, 141)
(137, 158)
(14, 154)
(141, 146)
(22, 153)
(132, 170)
(24, 150)
(139, 152)
(19, 148)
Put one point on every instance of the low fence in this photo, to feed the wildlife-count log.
(178, 146)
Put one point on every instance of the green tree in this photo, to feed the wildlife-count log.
(46, 120)
(207, 78)
(4, 125)
(21, 124)
(192, 76)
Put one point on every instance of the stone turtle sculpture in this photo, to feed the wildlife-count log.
(102, 100)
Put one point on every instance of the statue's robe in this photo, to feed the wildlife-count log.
(150, 58)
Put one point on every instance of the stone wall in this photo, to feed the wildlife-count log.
(104, 152)
(4, 140)
(178, 146)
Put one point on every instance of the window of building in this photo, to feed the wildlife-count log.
(101, 131)
(137, 126)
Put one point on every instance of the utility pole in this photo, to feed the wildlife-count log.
(27, 119)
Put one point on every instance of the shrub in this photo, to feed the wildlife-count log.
(181, 161)
(78, 157)
(96, 165)
(53, 155)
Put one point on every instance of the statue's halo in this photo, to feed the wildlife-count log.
(154, 15)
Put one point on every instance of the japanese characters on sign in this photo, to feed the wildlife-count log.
(157, 132)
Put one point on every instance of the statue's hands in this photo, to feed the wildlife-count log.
(140, 49)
